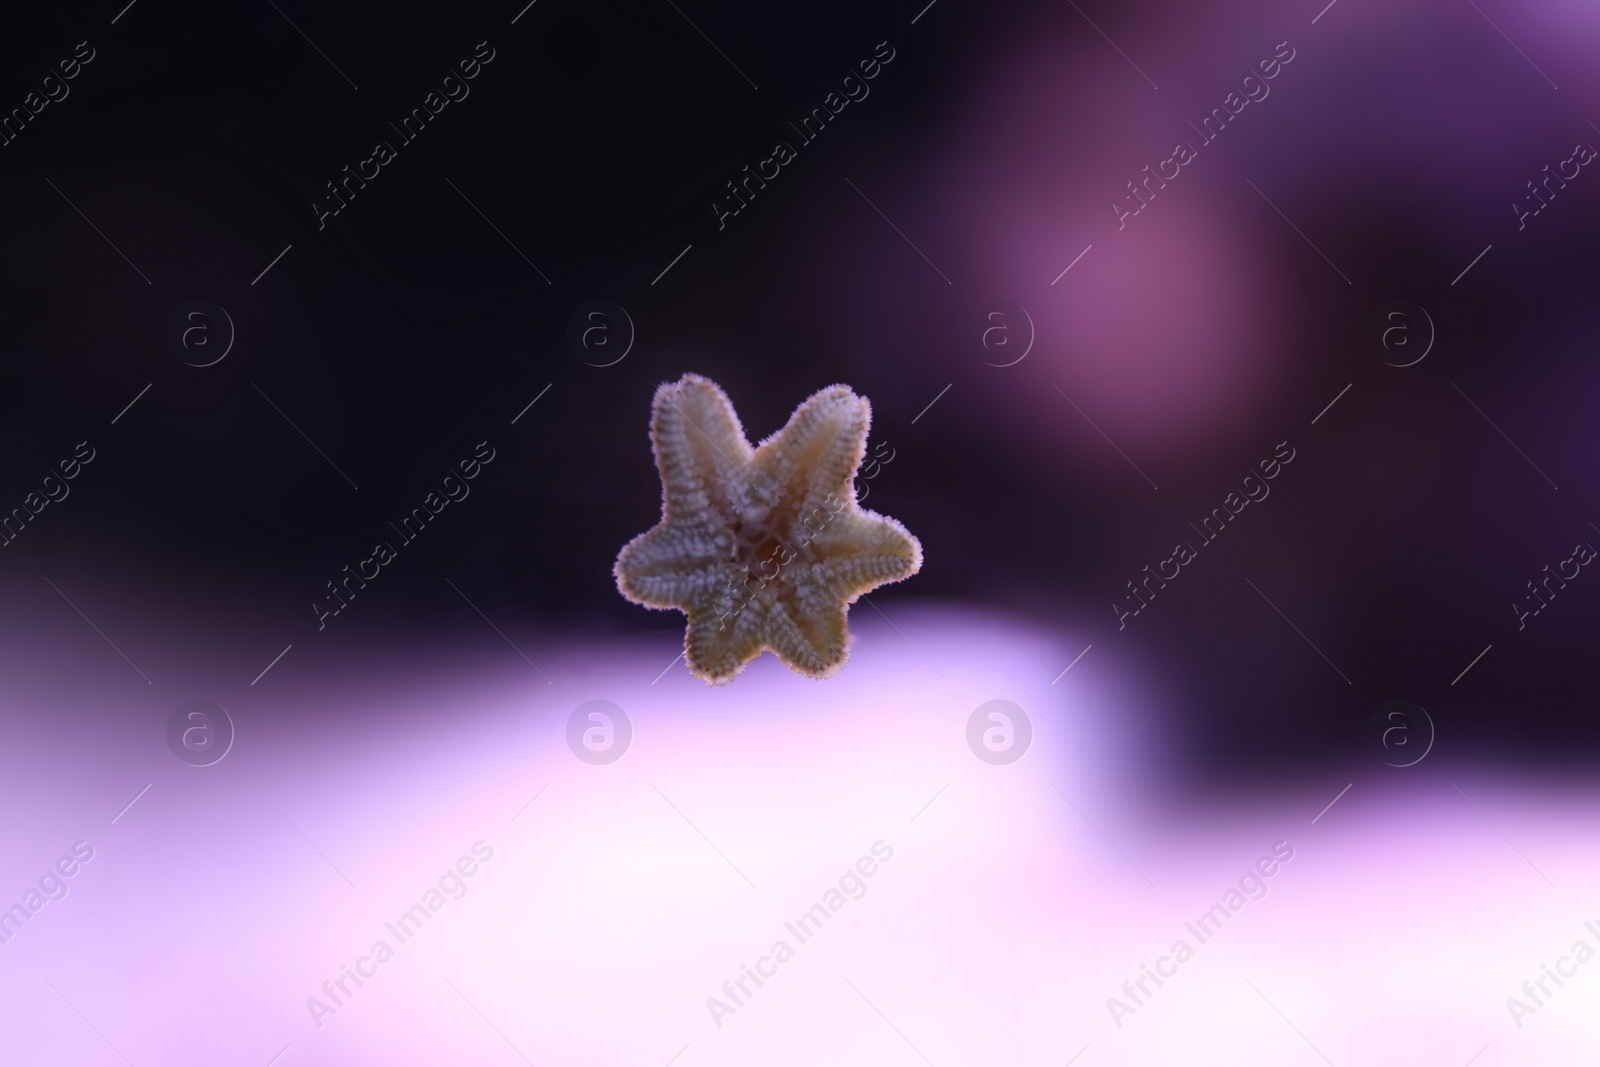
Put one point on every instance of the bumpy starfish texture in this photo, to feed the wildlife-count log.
(766, 547)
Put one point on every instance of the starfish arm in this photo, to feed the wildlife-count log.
(719, 642)
(813, 638)
(816, 454)
(670, 566)
(701, 450)
(861, 550)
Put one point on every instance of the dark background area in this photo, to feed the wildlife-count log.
(409, 329)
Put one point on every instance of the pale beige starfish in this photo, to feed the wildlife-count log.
(763, 548)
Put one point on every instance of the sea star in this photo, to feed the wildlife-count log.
(763, 548)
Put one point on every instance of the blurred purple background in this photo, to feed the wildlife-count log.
(1383, 265)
